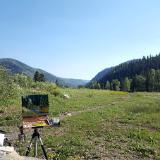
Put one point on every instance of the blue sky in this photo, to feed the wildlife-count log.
(78, 38)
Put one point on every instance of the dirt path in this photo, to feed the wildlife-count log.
(74, 113)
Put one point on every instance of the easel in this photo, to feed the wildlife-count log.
(34, 139)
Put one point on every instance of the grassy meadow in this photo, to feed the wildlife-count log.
(100, 125)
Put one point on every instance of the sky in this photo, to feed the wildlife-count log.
(78, 38)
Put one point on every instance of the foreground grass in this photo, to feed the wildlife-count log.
(109, 125)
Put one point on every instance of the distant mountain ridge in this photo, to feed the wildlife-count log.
(14, 67)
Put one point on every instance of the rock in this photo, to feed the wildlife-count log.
(54, 122)
(66, 96)
(2, 137)
(69, 114)
(8, 153)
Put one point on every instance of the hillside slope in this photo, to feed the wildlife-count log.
(101, 74)
(129, 69)
(14, 67)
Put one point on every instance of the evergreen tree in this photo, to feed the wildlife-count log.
(41, 77)
(57, 83)
(133, 84)
(38, 77)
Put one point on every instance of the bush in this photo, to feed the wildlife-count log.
(8, 89)
(47, 87)
(23, 81)
(53, 89)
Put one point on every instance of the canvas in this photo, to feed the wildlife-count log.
(35, 109)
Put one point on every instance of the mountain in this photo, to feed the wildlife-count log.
(129, 69)
(14, 67)
(101, 74)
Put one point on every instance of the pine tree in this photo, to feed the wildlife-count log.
(39, 77)
(57, 83)
(36, 76)
(157, 80)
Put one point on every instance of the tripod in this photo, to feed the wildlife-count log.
(35, 138)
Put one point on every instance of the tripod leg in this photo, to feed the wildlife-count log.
(43, 149)
(29, 147)
(35, 146)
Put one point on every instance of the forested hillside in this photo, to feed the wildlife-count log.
(101, 74)
(16, 67)
(135, 75)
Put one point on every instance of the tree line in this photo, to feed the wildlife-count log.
(131, 68)
(150, 81)
(135, 75)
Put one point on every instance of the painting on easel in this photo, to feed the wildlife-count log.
(35, 109)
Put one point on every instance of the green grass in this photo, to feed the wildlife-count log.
(104, 124)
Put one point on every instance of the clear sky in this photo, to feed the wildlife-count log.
(78, 38)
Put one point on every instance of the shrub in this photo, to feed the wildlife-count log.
(8, 89)
(47, 87)
(23, 80)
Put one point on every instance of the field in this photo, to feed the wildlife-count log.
(95, 124)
